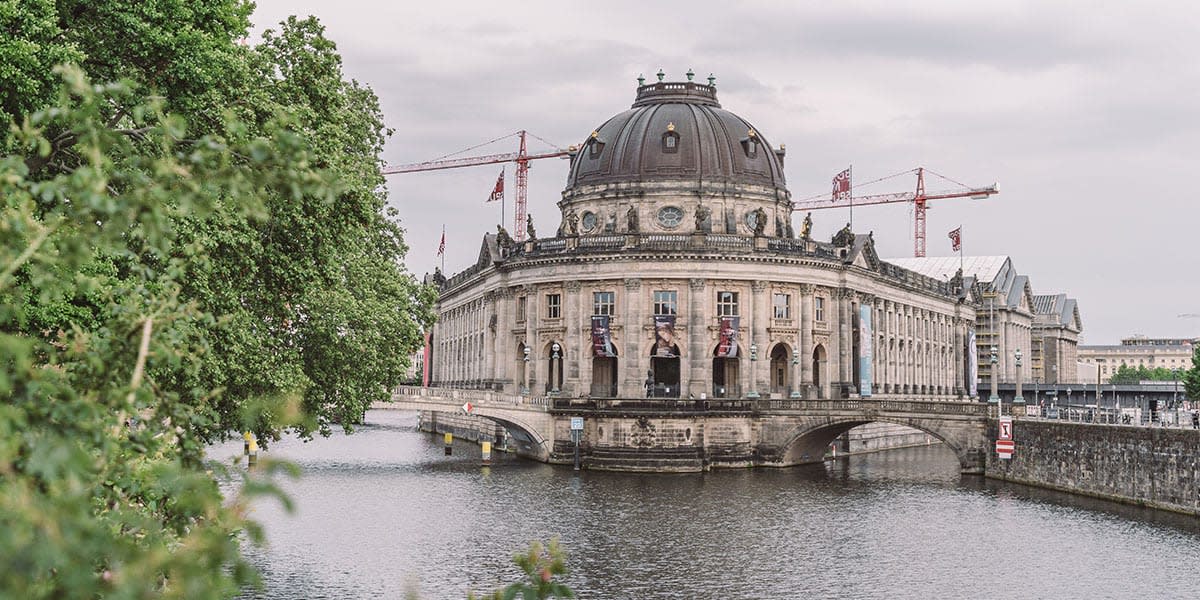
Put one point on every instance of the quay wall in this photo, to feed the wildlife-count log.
(1146, 466)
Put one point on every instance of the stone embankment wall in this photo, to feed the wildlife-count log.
(464, 427)
(876, 437)
(1146, 466)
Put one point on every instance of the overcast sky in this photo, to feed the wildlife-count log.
(1086, 116)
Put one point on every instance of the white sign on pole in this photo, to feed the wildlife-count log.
(576, 423)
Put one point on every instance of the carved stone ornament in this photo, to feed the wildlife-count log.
(807, 289)
(633, 284)
(573, 286)
(696, 284)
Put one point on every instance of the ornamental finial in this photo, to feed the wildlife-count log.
(690, 74)
(660, 75)
(641, 80)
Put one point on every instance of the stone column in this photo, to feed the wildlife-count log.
(806, 340)
(692, 378)
(632, 385)
(488, 327)
(760, 319)
(845, 341)
(533, 309)
(574, 359)
(960, 333)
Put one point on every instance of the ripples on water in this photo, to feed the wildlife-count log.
(383, 511)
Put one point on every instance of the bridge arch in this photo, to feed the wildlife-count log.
(806, 443)
(530, 442)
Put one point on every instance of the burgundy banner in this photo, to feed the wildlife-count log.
(664, 336)
(602, 345)
(728, 345)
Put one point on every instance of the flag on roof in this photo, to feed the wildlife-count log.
(442, 245)
(498, 190)
(841, 186)
(956, 239)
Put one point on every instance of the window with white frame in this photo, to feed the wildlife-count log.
(783, 306)
(819, 308)
(665, 302)
(553, 306)
(520, 308)
(727, 304)
(603, 303)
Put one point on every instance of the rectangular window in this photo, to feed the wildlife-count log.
(553, 306)
(819, 308)
(603, 302)
(727, 304)
(783, 306)
(520, 308)
(665, 302)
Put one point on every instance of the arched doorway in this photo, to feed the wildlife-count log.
(818, 370)
(664, 371)
(725, 374)
(554, 367)
(781, 380)
(604, 376)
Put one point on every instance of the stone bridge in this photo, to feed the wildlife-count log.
(693, 435)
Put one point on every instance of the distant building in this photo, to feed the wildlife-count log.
(1140, 351)
(1010, 317)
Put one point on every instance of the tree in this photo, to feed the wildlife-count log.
(1191, 377)
(197, 249)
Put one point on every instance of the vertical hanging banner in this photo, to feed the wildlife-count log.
(727, 347)
(664, 336)
(602, 346)
(972, 364)
(866, 351)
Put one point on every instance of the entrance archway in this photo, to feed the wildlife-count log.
(725, 374)
(604, 376)
(664, 371)
(781, 380)
(818, 370)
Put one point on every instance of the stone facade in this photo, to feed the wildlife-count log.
(1152, 353)
(676, 226)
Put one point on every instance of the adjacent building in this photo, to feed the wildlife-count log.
(1172, 354)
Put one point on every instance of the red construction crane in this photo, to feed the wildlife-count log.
(521, 157)
(919, 199)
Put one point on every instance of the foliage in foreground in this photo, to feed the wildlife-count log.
(540, 565)
(194, 250)
(1191, 377)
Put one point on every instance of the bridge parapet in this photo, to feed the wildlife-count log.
(480, 398)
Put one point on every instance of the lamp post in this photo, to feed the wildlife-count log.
(795, 374)
(555, 366)
(994, 358)
(1018, 399)
(1175, 397)
(753, 364)
(525, 375)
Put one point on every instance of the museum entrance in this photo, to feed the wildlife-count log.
(725, 376)
(664, 372)
(604, 376)
(780, 373)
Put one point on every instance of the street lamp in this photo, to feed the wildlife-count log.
(753, 360)
(555, 366)
(795, 374)
(994, 359)
(1018, 399)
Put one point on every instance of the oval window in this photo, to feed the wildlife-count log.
(589, 221)
(670, 216)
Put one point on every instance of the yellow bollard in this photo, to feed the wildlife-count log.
(449, 441)
(487, 452)
(246, 445)
(252, 458)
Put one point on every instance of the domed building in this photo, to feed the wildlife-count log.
(676, 271)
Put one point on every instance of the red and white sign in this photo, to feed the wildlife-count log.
(1005, 448)
(1005, 429)
(467, 407)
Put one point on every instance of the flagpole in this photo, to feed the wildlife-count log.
(502, 201)
(442, 250)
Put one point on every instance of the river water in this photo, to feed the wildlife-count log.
(383, 512)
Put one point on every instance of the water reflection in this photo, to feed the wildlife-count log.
(384, 508)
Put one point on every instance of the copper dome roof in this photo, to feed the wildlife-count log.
(709, 144)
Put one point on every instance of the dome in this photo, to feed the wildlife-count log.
(677, 131)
